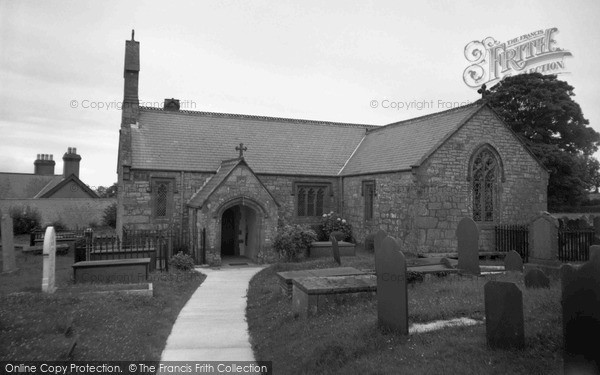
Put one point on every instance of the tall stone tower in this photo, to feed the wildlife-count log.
(129, 116)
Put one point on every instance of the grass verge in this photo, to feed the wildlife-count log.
(346, 339)
(107, 326)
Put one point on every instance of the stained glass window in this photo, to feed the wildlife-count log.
(485, 180)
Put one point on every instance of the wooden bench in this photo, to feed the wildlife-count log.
(120, 271)
(286, 278)
(311, 294)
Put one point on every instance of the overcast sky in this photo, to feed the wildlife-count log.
(321, 60)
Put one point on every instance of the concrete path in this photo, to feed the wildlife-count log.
(212, 325)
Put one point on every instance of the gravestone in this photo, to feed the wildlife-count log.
(49, 274)
(513, 262)
(9, 263)
(581, 317)
(504, 323)
(543, 235)
(467, 234)
(392, 297)
(536, 278)
(335, 249)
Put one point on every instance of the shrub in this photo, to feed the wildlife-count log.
(333, 222)
(293, 240)
(25, 219)
(182, 261)
(110, 216)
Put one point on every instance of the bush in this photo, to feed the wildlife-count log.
(293, 240)
(182, 261)
(25, 219)
(110, 216)
(333, 222)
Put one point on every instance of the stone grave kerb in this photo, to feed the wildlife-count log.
(543, 240)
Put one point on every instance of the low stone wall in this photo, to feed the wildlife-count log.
(72, 212)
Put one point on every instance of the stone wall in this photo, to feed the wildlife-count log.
(444, 176)
(394, 208)
(72, 212)
(282, 189)
(137, 198)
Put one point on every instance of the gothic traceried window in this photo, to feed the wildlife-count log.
(485, 173)
(162, 198)
(311, 200)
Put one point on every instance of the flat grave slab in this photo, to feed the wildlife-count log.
(321, 249)
(311, 294)
(112, 271)
(286, 278)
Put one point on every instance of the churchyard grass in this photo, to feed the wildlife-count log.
(345, 338)
(106, 326)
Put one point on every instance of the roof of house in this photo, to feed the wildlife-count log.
(56, 184)
(227, 166)
(199, 141)
(24, 185)
(401, 145)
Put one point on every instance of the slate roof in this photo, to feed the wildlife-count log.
(24, 185)
(401, 145)
(199, 141)
(57, 183)
(227, 166)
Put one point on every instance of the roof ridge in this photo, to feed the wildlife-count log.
(476, 104)
(262, 118)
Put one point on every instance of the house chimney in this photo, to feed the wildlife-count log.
(71, 162)
(44, 165)
(131, 72)
(171, 105)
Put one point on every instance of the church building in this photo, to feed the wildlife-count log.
(229, 179)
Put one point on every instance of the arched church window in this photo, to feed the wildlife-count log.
(485, 173)
(311, 200)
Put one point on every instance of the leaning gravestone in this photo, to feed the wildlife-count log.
(335, 249)
(581, 317)
(468, 246)
(513, 262)
(392, 297)
(49, 274)
(504, 323)
(543, 233)
(8, 244)
(536, 278)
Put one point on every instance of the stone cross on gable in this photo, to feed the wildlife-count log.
(241, 149)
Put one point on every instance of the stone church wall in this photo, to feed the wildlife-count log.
(449, 197)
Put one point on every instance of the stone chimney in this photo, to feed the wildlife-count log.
(71, 162)
(44, 165)
(131, 73)
(171, 105)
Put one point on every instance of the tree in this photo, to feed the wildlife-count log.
(107, 192)
(541, 110)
